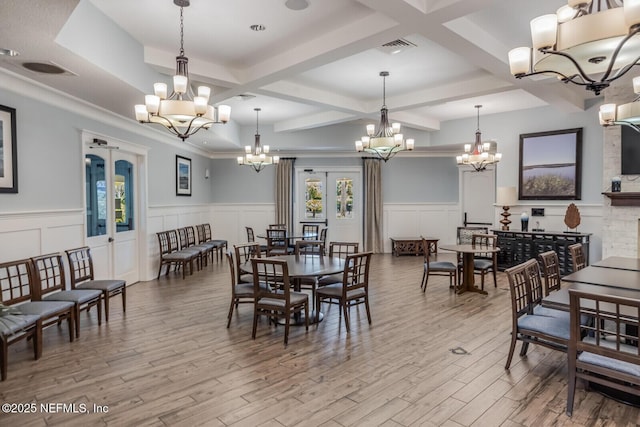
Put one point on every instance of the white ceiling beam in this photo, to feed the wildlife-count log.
(312, 121)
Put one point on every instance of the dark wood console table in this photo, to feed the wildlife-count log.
(412, 245)
(519, 246)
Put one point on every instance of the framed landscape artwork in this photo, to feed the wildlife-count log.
(8, 151)
(183, 176)
(551, 165)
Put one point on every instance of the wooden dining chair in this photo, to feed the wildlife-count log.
(251, 237)
(310, 231)
(19, 290)
(604, 351)
(578, 260)
(278, 226)
(14, 325)
(277, 242)
(243, 254)
(241, 293)
(353, 290)
(435, 267)
(323, 237)
(551, 270)
(82, 277)
(171, 255)
(220, 245)
(188, 246)
(484, 263)
(309, 247)
(527, 326)
(48, 275)
(274, 297)
(338, 250)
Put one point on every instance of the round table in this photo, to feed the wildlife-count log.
(307, 266)
(468, 251)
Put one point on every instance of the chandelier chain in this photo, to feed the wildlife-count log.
(181, 33)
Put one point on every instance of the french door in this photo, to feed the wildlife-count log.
(112, 211)
(331, 198)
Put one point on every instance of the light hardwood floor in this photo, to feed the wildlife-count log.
(170, 360)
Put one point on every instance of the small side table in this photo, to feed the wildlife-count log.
(412, 245)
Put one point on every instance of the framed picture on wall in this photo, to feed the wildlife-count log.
(8, 151)
(183, 176)
(551, 165)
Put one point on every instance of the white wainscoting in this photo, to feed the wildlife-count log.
(29, 234)
(439, 220)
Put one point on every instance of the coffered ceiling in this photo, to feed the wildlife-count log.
(310, 68)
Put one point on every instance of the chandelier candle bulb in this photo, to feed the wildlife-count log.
(607, 114)
(410, 144)
(153, 103)
(520, 60)
(371, 129)
(544, 30)
(160, 90)
(141, 113)
(204, 92)
(180, 84)
(631, 12)
(636, 85)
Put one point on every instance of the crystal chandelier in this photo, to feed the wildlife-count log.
(625, 114)
(480, 157)
(582, 44)
(182, 113)
(387, 141)
(257, 158)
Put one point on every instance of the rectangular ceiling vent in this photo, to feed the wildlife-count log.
(396, 46)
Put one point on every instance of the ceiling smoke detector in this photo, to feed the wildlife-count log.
(297, 4)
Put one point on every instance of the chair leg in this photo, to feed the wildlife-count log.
(495, 282)
(37, 340)
(287, 321)
(230, 312)
(124, 298)
(106, 305)
(482, 280)
(571, 389)
(71, 323)
(255, 323)
(512, 347)
(5, 357)
(99, 307)
(345, 308)
(366, 305)
(423, 284)
(76, 313)
(523, 350)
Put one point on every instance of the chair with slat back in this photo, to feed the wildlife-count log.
(186, 245)
(251, 237)
(435, 267)
(310, 231)
(274, 297)
(241, 293)
(14, 325)
(528, 326)
(243, 254)
(353, 290)
(309, 247)
(278, 226)
(171, 255)
(197, 236)
(577, 256)
(49, 277)
(82, 277)
(604, 351)
(551, 269)
(484, 263)
(339, 250)
(221, 245)
(17, 281)
(323, 237)
(277, 242)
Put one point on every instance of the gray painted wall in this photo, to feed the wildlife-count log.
(506, 129)
(50, 159)
(420, 179)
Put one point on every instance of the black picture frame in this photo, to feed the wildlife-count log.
(8, 150)
(551, 165)
(183, 176)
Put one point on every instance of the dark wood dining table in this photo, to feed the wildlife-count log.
(610, 277)
(307, 266)
(468, 252)
(620, 263)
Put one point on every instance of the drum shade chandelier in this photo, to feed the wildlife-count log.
(387, 141)
(583, 43)
(182, 113)
(480, 157)
(625, 114)
(257, 158)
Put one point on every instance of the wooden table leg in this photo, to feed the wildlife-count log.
(467, 275)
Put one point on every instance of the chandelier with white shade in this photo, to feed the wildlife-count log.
(625, 114)
(181, 112)
(387, 141)
(589, 43)
(257, 157)
(478, 155)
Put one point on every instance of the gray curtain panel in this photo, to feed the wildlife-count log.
(373, 206)
(284, 193)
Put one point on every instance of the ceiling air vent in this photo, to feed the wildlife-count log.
(396, 46)
(44, 67)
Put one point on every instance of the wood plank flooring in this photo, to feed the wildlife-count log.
(171, 361)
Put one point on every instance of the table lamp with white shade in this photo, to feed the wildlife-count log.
(506, 197)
